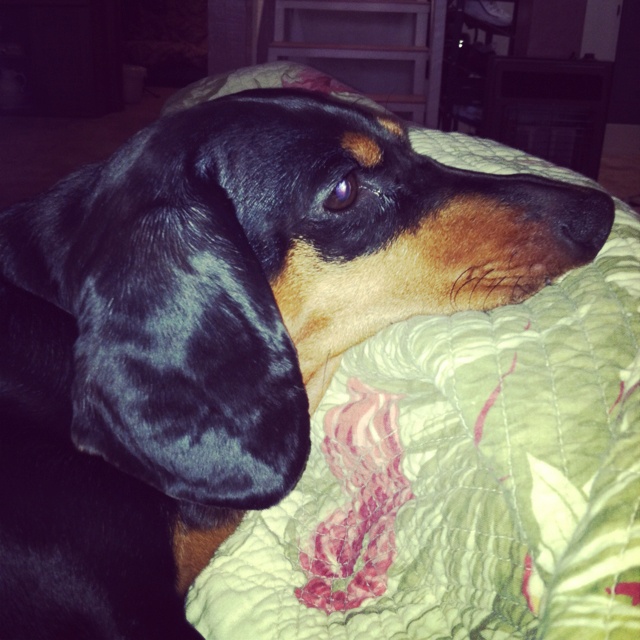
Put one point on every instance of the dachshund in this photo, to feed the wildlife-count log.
(170, 317)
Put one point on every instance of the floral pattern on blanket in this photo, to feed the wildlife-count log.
(363, 452)
(289, 75)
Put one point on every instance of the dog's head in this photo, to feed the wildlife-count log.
(355, 230)
(184, 253)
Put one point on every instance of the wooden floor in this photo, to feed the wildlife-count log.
(35, 152)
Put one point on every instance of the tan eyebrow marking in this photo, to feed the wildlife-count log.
(363, 148)
(392, 126)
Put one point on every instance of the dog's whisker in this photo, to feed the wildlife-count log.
(457, 287)
(483, 277)
(497, 284)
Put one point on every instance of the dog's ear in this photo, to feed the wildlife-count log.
(185, 374)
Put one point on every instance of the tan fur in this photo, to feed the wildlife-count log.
(194, 548)
(393, 126)
(472, 254)
(363, 148)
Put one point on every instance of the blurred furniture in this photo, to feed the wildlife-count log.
(390, 50)
(487, 29)
(168, 38)
(540, 98)
(469, 43)
(549, 29)
(230, 34)
(554, 109)
(68, 53)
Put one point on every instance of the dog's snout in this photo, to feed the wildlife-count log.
(581, 219)
(578, 218)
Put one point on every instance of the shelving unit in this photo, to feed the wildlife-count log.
(415, 26)
(465, 65)
(554, 109)
(491, 30)
(551, 107)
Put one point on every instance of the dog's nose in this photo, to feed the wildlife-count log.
(581, 218)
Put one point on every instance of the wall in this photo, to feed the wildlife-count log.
(625, 95)
(601, 26)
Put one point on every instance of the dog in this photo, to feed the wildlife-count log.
(170, 317)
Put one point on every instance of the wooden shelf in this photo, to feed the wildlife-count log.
(424, 72)
(391, 50)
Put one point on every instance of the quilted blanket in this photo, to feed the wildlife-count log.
(473, 476)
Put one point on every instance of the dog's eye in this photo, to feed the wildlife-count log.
(343, 194)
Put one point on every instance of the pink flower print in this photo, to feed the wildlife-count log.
(363, 451)
(623, 395)
(314, 81)
(532, 585)
(478, 430)
(629, 589)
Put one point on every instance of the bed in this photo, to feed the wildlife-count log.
(474, 476)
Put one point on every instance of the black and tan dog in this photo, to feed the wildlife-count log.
(165, 310)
